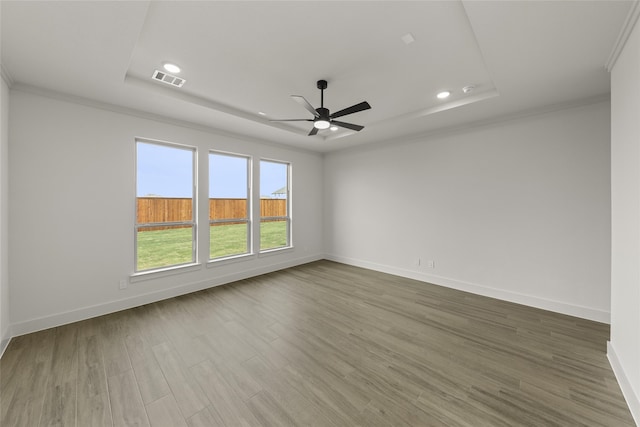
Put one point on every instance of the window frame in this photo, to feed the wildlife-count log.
(287, 218)
(193, 223)
(248, 219)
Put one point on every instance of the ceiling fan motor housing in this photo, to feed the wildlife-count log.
(323, 113)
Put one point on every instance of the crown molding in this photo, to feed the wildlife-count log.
(74, 99)
(478, 124)
(481, 96)
(4, 73)
(625, 32)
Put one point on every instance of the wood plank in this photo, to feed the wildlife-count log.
(93, 407)
(318, 344)
(205, 418)
(268, 411)
(301, 410)
(164, 412)
(126, 404)
(59, 408)
(183, 386)
(225, 402)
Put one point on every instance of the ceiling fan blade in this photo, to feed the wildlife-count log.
(291, 120)
(350, 110)
(314, 130)
(347, 125)
(300, 100)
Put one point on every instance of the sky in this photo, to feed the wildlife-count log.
(167, 171)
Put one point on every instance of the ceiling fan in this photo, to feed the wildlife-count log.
(322, 117)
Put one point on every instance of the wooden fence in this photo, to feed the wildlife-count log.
(165, 209)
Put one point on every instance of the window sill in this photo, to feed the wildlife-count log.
(229, 260)
(275, 251)
(163, 272)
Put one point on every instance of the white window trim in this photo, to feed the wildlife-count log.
(164, 272)
(288, 218)
(231, 259)
(249, 218)
(194, 212)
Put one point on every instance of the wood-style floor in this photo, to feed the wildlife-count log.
(322, 344)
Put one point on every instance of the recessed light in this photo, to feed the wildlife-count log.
(468, 89)
(172, 68)
(262, 113)
(334, 128)
(444, 94)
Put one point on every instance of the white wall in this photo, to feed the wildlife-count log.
(72, 193)
(4, 236)
(518, 210)
(4, 216)
(624, 347)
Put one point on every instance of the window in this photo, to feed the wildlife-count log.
(165, 230)
(275, 219)
(229, 207)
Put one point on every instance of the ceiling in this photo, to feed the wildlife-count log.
(241, 58)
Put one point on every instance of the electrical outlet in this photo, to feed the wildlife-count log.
(123, 283)
(431, 264)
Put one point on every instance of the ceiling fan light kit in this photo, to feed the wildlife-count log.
(322, 117)
(321, 124)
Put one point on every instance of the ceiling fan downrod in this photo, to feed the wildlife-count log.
(322, 85)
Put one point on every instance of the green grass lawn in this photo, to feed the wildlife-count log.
(162, 248)
(273, 235)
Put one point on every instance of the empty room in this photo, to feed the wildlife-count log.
(320, 213)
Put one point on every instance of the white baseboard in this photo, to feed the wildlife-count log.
(5, 339)
(529, 300)
(84, 313)
(633, 400)
(4, 343)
